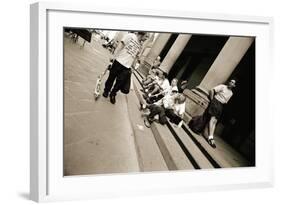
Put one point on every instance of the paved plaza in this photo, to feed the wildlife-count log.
(97, 136)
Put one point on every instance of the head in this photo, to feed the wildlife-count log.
(165, 74)
(161, 75)
(143, 36)
(174, 91)
(158, 58)
(174, 82)
(152, 70)
(231, 84)
(180, 99)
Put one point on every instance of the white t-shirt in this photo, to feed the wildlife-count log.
(174, 88)
(179, 108)
(165, 86)
(223, 94)
(167, 101)
(128, 54)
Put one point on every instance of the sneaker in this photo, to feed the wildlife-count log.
(180, 124)
(140, 106)
(112, 99)
(105, 94)
(147, 122)
(212, 143)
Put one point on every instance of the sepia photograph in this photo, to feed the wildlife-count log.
(147, 101)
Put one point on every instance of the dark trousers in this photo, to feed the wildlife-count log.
(154, 99)
(158, 110)
(172, 116)
(119, 73)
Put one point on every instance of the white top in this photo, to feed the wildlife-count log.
(128, 54)
(223, 93)
(174, 88)
(156, 63)
(179, 109)
(165, 86)
(167, 101)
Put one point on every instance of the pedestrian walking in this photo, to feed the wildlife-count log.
(120, 71)
(176, 112)
(219, 95)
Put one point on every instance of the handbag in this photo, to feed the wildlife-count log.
(198, 123)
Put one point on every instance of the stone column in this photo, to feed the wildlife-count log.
(156, 49)
(227, 60)
(174, 52)
(221, 69)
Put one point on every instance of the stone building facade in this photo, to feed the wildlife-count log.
(206, 61)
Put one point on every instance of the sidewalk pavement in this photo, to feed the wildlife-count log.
(98, 137)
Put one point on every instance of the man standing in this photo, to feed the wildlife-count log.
(219, 96)
(121, 67)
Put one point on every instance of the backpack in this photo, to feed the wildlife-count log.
(198, 123)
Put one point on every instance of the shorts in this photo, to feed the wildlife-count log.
(215, 108)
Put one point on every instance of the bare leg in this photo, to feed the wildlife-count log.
(212, 127)
(155, 90)
(147, 81)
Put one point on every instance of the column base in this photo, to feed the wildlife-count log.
(197, 101)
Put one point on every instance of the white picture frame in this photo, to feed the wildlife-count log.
(46, 179)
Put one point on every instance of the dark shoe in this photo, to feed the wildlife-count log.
(105, 94)
(147, 122)
(212, 143)
(112, 99)
(149, 101)
(141, 108)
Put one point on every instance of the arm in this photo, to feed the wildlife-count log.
(211, 94)
(180, 111)
(162, 92)
(164, 88)
(120, 47)
(215, 90)
(150, 84)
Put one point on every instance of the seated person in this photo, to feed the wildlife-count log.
(159, 90)
(175, 114)
(157, 80)
(152, 76)
(174, 84)
(157, 62)
(158, 108)
(165, 88)
(183, 86)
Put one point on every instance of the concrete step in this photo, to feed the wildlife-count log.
(224, 154)
(197, 146)
(218, 157)
(173, 154)
(192, 148)
(148, 152)
(233, 157)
